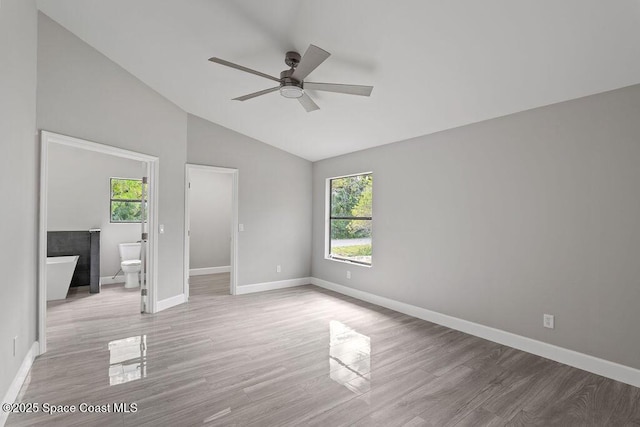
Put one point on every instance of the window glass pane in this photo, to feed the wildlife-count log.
(351, 239)
(351, 196)
(128, 189)
(126, 211)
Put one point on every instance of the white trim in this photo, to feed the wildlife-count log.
(110, 280)
(573, 358)
(269, 286)
(14, 389)
(94, 146)
(42, 243)
(209, 270)
(327, 220)
(235, 212)
(170, 302)
(346, 261)
(153, 196)
(233, 268)
(153, 172)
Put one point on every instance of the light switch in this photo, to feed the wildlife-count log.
(240, 227)
(161, 228)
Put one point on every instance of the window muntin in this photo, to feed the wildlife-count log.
(350, 218)
(125, 200)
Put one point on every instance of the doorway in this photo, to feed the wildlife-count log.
(216, 209)
(149, 167)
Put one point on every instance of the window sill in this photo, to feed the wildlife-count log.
(346, 261)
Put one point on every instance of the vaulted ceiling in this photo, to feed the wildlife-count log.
(435, 65)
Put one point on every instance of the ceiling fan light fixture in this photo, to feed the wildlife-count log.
(292, 80)
(291, 91)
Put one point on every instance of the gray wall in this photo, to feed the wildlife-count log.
(83, 94)
(210, 200)
(18, 184)
(274, 201)
(502, 221)
(79, 193)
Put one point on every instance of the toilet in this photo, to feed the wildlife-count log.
(130, 263)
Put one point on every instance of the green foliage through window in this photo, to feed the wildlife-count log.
(351, 218)
(126, 200)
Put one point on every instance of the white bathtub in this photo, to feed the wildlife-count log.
(59, 273)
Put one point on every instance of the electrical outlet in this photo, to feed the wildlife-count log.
(15, 345)
(278, 269)
(348, 274)
(548, 321)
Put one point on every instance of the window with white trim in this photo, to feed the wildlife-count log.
(126, 200)
(350, 218)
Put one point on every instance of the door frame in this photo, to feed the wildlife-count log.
(234, 223)
(153, 173)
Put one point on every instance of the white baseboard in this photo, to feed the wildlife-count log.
(14, 389)
(209, 270)
(170, 302)
(269, 286)
(573, 358)
(108, 280)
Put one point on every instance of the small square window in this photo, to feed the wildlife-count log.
(126, 200)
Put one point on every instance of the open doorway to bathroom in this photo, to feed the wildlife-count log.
(211, 224)
(98, 204)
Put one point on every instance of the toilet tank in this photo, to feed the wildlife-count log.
(129, 251)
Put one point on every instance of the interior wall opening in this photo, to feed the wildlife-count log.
(97, 242)
(211, 215)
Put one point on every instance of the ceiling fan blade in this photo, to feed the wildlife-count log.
(308, 104)
(313, 57)
(241, 68)
(254, 94)
(338, 88)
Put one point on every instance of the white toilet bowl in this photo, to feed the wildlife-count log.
(130, 263)
(131, 270)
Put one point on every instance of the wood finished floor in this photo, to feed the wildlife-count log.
(298, 356)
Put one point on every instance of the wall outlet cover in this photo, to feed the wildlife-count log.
(548, 321)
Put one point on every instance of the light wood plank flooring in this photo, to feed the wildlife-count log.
(298, 356)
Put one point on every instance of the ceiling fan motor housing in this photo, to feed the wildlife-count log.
(289, 87)
(292, 59)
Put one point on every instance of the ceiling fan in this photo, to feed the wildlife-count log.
(292, 84)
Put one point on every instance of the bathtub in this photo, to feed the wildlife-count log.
(59, 273)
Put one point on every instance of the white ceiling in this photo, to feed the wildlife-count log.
(435, 65)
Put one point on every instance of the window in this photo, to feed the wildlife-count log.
(350, 218)
(126, 200)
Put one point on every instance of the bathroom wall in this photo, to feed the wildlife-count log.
(274, 201)
(84, 94)
(502, 221)
(18, 185)
(210, 218)
(79, 193)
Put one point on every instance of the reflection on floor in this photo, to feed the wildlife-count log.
(261, 359)
(127, 359)
(349, 357)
